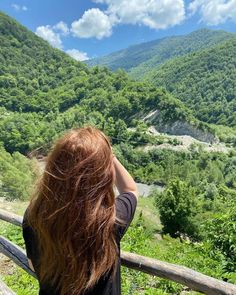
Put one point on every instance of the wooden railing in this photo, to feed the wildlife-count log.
(180, 274)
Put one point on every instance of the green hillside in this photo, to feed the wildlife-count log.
(32, 72)
(44, 92)
(140, 59)
(199, 69)
(204, 81)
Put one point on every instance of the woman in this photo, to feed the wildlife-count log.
(73, 226)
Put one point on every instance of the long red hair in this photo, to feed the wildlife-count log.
(73, 212)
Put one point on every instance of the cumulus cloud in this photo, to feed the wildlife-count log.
(62, 28)
(78, 55)
(93, 23)
(19, 7)
(214, 12)
(156, 14)
(47, 33)
(52, 34)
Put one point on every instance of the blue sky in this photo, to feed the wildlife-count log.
(86, 29)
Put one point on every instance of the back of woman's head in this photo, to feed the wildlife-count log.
(73, 212)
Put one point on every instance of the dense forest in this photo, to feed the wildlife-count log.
(44, 92)
(199, 69)
(204, 81)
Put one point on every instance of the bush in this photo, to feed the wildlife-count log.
(177, 208)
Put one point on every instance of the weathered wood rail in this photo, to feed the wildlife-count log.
(180, 274)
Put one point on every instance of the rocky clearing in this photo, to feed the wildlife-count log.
(186, 143)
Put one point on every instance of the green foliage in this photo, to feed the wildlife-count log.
(225, 133)
(17, 174)
(204, 81)
(221, 232)
(140, 240)
(22, 283)
(13, 233)
(19, 281)
(177, 208)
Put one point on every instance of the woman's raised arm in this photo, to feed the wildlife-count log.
(123, 180)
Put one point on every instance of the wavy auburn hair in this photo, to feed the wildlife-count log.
(73, 212)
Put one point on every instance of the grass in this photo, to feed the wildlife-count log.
(150, 214)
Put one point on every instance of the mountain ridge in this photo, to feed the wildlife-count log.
(136, 58)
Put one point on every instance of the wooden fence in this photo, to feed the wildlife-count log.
(180, 274)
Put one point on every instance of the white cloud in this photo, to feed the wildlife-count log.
(78, 55)
(47, 33)
(62, 28)
(19, 7)
(214, 12)
(52, 34)
(93, 23)
(156, 14)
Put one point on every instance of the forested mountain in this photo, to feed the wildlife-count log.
(205, 81)
(43, 92)
(199, 69)
(139, 59)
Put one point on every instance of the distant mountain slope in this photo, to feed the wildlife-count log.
(44, 92)
(205, 81)
(199, 69)
(141, 58)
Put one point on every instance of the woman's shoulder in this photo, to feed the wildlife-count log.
(126, 202)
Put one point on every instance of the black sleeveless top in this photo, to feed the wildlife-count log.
(125, 208)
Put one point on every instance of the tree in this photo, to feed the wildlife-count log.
(177, 207)
(121, 132)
